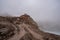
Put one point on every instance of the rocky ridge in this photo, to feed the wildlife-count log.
(23, 28)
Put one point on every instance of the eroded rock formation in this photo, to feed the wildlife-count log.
(23, 28)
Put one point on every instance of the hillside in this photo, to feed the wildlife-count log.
(23, 28)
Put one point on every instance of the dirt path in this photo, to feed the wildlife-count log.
(19, 35)
(36, 35)
(23, 32)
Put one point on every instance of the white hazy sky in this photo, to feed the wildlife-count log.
(40, 10)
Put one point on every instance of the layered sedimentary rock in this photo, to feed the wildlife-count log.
(23, 28)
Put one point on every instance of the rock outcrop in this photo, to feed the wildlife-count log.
(23, 28)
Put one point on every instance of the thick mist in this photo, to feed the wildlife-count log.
(45, 12)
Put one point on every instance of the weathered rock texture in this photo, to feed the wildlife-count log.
(23, 28)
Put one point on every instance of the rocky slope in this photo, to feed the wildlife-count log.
(23, 28)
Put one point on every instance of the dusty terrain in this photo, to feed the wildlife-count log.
(23, 28)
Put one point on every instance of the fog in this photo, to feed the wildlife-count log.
(45, 12)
